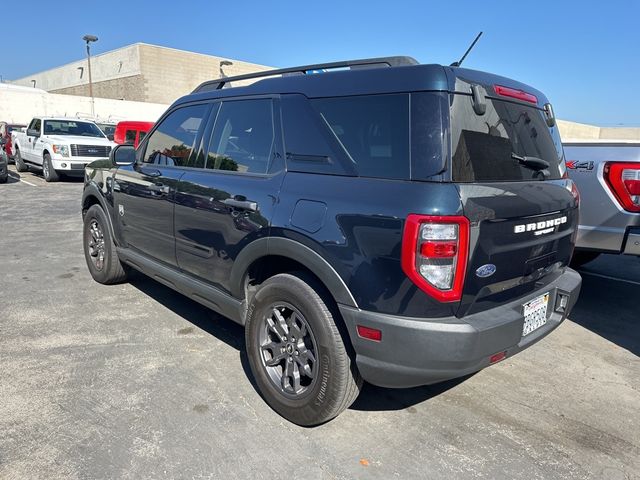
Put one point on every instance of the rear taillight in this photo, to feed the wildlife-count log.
(515, 93)
(624, 181)
(434, 254)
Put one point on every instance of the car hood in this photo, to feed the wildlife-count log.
(79, 140)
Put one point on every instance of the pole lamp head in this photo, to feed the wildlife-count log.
(90, 38)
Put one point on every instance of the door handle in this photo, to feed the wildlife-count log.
(241, 204)
(150, 172)
(159, 188)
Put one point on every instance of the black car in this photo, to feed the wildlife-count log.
(375, 220)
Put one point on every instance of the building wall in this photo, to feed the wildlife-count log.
(169, 74)
(19, 105)
(116, 64)
(138, 72)
(125, 88)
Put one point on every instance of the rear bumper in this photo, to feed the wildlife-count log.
(422, 351)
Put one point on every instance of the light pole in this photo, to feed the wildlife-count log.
(224, 63)
(89, 39)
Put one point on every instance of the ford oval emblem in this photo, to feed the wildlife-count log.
(486, 270)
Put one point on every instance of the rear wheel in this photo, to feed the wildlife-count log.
(20, 165)
(296, 352)
(48, 172)
(581, 257)
(99, 250)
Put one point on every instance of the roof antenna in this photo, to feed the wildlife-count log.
(459, 62)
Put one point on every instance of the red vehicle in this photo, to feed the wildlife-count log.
(131, 132)
(5, 132)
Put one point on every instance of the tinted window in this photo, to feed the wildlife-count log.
(309, 146)
(130, 136)
(243, 136)
(483, 145)
(172, 142)
(373, 130)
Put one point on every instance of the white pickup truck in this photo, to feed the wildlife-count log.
(59, 146)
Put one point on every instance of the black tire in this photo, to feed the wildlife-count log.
(49, 174)
(336, 382)
(20, 165)
(4, 178)
(109, 270)
(581, 257)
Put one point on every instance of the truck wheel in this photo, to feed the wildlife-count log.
(49, 174)
(4, 177)
(99, 249)
(20, 165)
(581, 257)
(297, 355)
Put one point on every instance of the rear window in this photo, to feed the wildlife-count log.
(483, 146)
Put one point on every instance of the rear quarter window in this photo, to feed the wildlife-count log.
(373, 130)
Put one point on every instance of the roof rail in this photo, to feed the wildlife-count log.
(304, 69)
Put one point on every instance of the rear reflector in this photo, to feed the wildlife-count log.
(514, 93)
(369, 333)
(434, 254)
(497, 357)
(623, 179)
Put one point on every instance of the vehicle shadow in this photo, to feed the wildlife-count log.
(372, 398)
(609, 308)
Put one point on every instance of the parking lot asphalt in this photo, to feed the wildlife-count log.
(136, 381)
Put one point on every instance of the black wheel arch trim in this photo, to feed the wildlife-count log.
(285, 247)
(92, 190)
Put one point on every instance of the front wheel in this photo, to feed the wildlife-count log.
(20, 165)
(297, 354)
(100, 250)
(48, 172)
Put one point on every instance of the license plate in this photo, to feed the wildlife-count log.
(535, 314)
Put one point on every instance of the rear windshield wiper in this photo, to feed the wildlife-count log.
(534, 163)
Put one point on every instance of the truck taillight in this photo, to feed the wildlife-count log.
(434, 254)
(623, 179)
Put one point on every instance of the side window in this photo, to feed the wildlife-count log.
(373, 130)
(172, 142)
(243, 137)
(37, 124)
(130, 136)
(309, 147)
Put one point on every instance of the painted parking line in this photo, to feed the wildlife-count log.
(18, 177)
(608, 277)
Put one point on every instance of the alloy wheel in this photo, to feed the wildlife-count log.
(288, 350)
(96, 244)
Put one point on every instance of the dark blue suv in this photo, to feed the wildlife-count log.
(374, 220)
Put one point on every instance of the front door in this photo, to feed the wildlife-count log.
(229, 201)
(144, 193)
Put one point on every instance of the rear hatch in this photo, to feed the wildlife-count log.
(508, 164)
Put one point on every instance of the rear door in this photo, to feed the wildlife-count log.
(145, 192)
(229, 200)
(523, 216)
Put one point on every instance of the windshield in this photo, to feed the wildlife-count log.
(72, 127)
(492, 147)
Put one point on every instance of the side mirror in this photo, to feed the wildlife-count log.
(122, 155)
(32, 132)
(110, 136)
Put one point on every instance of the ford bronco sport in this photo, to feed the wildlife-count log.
(375, 220)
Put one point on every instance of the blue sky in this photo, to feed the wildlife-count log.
(583, 54)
